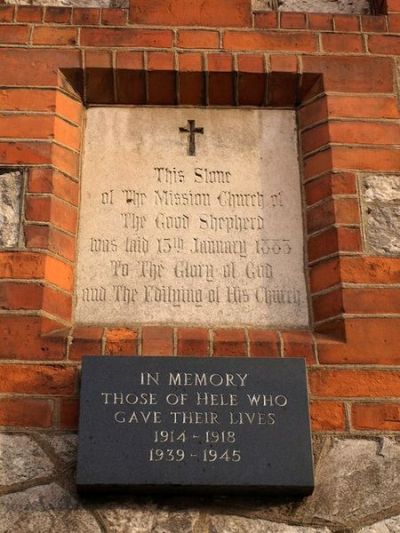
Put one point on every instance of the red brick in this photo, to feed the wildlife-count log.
(393, 6)
(330, 184)
(328, 305)
(347, 22)
(14, 34)
(354, 383)
(362, 106)
(327, 416)
(69, 108)
(373, 270)
(30, 346)
(157, 340)
(65, 160)
(198, 39)
(86, 341)
(161, 87)
(264, 343)
(352, 74)
(376, 416)
(371, 301)
(28, 67)
(160, 61)
(365, 158)
(190, 61)
(85, 16)
(293, 20)
(45, 180)
(314, 138)
(384, 44)
(55, 36)
(58, 15)
(69, 413)
(193, 342)
(266, 20)
(373, 23)
(254, 63)
(394, 23)
(334, 240)
(298, 344)
(342, 43)
(324, 275)
(115, 37)
(38, 379)
(121, 341)
(6, 13)
(369, 341)
(59, 273)
(26, 412)
(26, 126)
(364, 132)
(320, 21)
(314, 112)
(21, 265)
(16, 99)
(29, 14)
(255, 40)
(22, 296)
(317, 164)
(191, 84)
(229, 342)
(281, 63)
(191, 12)
(130, 60)
(57, 303)
(51, 239)
(114, 16)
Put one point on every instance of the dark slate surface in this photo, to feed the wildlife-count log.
(265, 448)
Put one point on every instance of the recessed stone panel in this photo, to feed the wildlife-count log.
(11, 186)
(191, 216)
(381, 213)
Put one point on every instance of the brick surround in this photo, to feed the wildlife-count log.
(337, 71)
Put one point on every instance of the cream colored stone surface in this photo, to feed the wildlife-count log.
(214, 238)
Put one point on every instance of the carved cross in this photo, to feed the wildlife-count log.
(192, 130)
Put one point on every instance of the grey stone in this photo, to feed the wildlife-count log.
(172, 522)
(21, 459)
(383, 228)
(128, 518)
(391, 525)
(235, 524)
(214, 237)
(64, 445)
(44, 509)
(381, 188)
(11, 186)
(356, 479)
(316, 6)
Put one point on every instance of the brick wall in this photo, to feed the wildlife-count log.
(338, 71)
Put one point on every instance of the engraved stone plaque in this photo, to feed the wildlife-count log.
(191, 216)
(168, 423)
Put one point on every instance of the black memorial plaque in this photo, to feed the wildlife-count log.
(218, 424)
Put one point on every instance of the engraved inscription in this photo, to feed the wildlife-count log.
(215, 238)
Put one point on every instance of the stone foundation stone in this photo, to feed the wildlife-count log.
(11, 189)
(381, 213)
(357, 491)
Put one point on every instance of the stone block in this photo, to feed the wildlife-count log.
(21, 459)
(11, 196)
(381, 213)
(345, 7)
